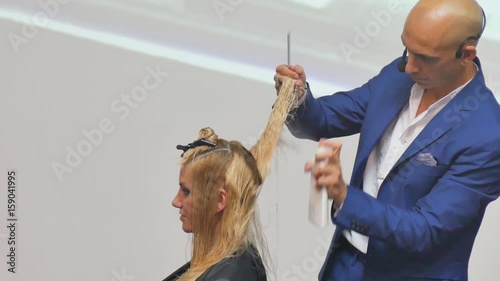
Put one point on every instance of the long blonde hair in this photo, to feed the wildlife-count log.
(240, 172)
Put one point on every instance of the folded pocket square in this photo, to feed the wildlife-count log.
(427, 159)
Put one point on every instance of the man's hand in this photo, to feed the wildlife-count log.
(330, 175)
(295, 72)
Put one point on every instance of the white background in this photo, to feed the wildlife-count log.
(111, 217)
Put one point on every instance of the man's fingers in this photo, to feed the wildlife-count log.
(336, 150)
(323, 181)
(280, 79)
(333, 143)
(319, 158)
(299, 70)
(281, 68)
(293, 72)
(308, 166)
(277, 83)
(285, 70)
(336, 146)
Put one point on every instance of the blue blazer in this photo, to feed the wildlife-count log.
(424, 221)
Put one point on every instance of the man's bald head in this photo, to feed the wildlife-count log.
(444, 23)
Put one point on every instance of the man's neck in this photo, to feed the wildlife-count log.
(438, 93)
(433, 95)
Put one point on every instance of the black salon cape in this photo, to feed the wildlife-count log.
(245, 267)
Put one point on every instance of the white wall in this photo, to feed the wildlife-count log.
(111, 215)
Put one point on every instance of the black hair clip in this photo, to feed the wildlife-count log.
(194, 144)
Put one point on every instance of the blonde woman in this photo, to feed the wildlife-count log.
(218, 187)
(219, 182)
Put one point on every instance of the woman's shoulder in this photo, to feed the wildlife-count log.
(174, 276)
(246, 266)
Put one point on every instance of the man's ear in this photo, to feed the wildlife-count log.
(221, 202)
(469, 54)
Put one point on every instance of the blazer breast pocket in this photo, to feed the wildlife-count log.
(415, 168)
(417, 179)
(427, 170)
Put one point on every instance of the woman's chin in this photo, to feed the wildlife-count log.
(187, 229)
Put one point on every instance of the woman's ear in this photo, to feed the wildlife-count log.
(221, 203)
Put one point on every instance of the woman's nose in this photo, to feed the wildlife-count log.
(177, 203)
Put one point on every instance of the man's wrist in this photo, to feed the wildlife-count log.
(339, 201)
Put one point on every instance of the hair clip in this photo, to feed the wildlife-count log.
(196, 143)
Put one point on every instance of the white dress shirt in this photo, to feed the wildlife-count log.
(396, 139)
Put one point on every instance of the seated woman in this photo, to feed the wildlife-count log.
(218, 187)
(219, 183)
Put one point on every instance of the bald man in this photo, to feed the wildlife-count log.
(428, 160)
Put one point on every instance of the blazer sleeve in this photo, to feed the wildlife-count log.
(339, 114)
(458, 199)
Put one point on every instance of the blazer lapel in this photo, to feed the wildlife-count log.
(449, 117)
(377, 119)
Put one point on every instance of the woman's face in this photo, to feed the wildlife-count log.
(184, 200)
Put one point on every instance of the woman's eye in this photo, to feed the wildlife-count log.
(185, 191)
